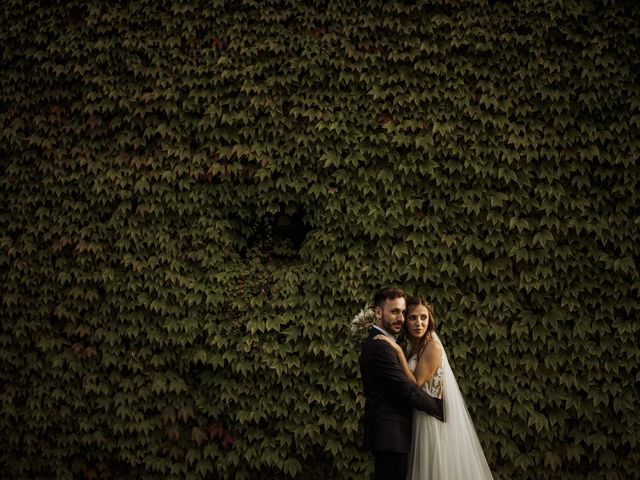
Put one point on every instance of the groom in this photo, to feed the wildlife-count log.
(390, 395)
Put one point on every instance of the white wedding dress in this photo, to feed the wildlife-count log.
(448, 450)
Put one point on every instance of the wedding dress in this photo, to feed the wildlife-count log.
(448, 450)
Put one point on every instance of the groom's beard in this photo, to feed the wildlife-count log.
(391, 325)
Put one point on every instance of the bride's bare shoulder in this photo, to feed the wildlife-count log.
(434, 346)
(432, 352)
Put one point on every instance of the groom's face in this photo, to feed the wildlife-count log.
(391, 315)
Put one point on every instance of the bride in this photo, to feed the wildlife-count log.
(447, 450)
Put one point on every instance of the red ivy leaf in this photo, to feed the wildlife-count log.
(90, 474)
(227, 440)
(215, 430)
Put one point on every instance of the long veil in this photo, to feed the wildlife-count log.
(447, 450)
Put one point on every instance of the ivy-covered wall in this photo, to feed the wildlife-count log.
(198, 196)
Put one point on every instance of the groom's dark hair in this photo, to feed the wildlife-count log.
(387, 293)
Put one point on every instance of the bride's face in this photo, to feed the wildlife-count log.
(417, 321)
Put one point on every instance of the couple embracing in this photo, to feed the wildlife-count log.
(416, 423)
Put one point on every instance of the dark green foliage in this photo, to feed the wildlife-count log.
(197, 197)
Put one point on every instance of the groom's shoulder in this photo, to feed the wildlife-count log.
(368, 343)
(372, 345)
(367, 340)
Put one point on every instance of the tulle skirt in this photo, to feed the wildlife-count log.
(447, 450)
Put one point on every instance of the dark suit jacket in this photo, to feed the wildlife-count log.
(390, 397)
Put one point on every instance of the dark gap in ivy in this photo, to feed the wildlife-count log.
(67, 251)
(56, 322)
(76, 15)
(280, 235)
(292, 228)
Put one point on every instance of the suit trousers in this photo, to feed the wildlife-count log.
(390, 466)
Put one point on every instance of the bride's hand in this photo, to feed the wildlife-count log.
(390, 341)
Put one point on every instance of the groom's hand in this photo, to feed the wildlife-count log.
(390, 341)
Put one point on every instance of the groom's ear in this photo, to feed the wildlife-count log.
(377, 311)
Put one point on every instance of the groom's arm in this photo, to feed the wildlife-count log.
(388, 369)
(421, 400)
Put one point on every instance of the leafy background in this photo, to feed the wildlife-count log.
(198, 196)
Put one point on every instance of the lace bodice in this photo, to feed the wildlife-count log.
(434, 385)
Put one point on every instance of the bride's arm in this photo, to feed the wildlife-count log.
(428, 362)
(401, 357)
